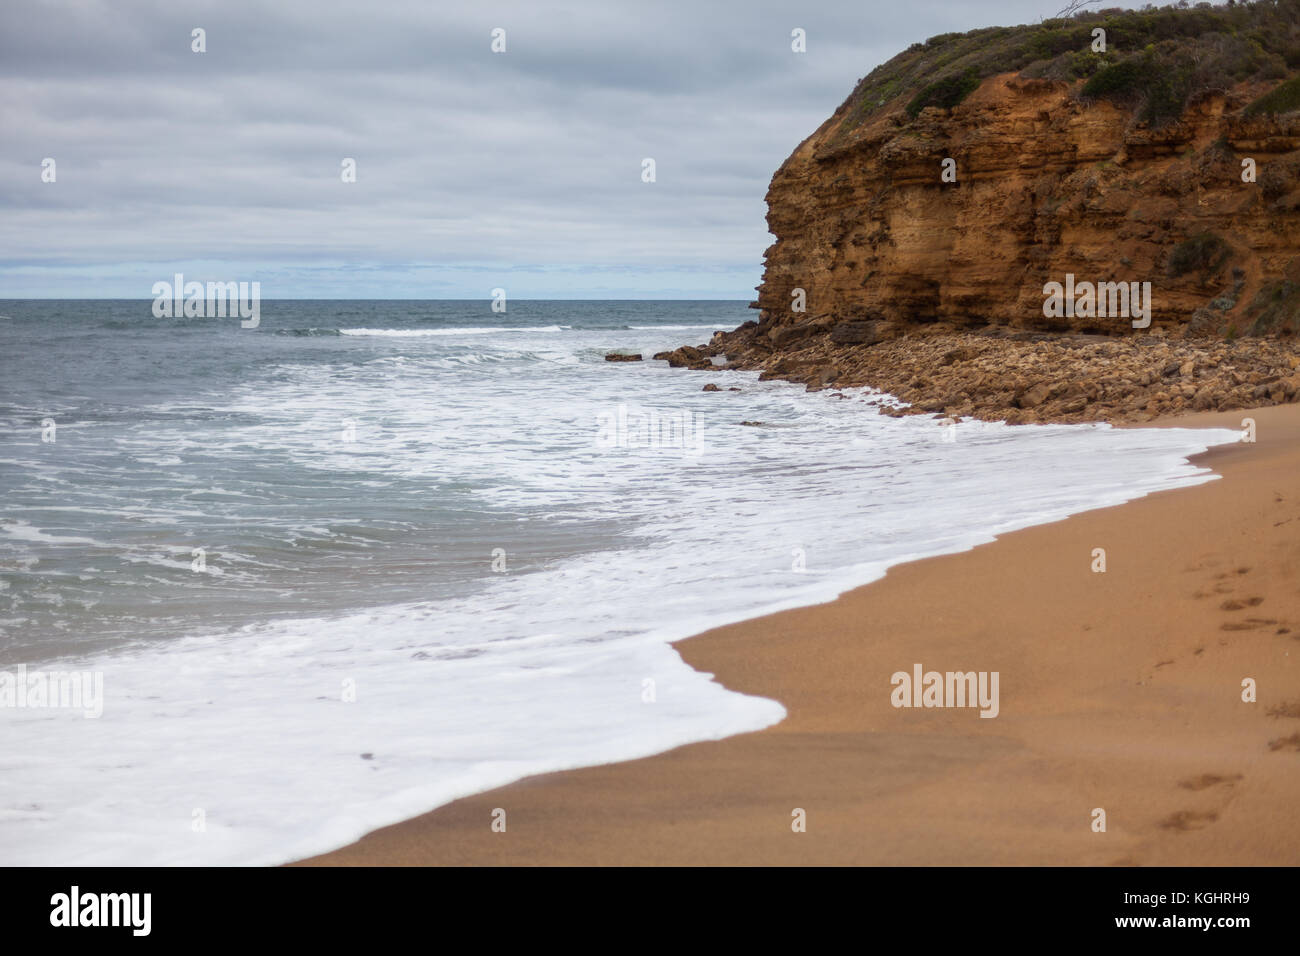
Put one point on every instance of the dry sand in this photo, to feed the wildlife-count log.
(1119, 690)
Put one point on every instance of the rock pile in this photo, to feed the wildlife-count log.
(1021, 377)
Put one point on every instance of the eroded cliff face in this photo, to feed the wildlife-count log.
(933, 291)
(1046, 185)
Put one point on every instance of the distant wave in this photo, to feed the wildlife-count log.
(23, 531)
(489, 330)
(472, 330)
(675, 328)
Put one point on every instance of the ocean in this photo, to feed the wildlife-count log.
(372, 556)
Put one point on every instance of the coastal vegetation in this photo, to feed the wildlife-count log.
(1276, 307)
(1284, 98)
(1205, 253)
(1155, 60)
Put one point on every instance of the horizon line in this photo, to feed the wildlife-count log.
(111, 298)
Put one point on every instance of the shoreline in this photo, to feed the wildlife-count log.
(1119, 690)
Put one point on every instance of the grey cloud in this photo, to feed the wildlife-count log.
(470, 164)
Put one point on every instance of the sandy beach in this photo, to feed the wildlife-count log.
(1119, 690)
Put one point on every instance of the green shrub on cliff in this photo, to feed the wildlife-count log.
(945, 93)
(1083, 64)
(1163, 78)
(1276, 308)
(1122, 79)
(1156, 60)
(1205, 253)
(1284, 98)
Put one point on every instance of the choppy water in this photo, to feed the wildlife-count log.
(467, 521)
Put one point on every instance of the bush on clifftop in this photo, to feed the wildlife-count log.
(1156, 60)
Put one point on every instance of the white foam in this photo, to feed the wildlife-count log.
(24, 531)
(435, 333)
(676, 328)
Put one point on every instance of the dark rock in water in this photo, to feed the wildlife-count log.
(733, 389)
(754, 424)
(711, 388)
(622, 357)
(856, 332)
(685, 357)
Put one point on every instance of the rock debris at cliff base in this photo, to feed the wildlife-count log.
(1028, 377)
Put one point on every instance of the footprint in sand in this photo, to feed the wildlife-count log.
(1290, 709)
(1207, 780)
(1229, 574)
(1189, 820)
(1250, 624)
(1232, 604)
(1286, 743)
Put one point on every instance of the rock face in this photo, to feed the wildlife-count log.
(914, 248)
(1046, 185)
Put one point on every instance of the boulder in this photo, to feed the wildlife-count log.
(685, 357)
(1034, 397)
(856, 332)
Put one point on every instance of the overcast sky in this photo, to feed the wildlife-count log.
(475, 169)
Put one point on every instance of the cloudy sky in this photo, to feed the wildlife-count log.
(475, 169)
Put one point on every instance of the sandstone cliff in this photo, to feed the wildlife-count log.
(1047, 185)
(1174, 162)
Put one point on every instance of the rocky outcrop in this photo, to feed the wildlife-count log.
(1047, 185)
(687, 357)
(915, 244)
(1023, 377)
